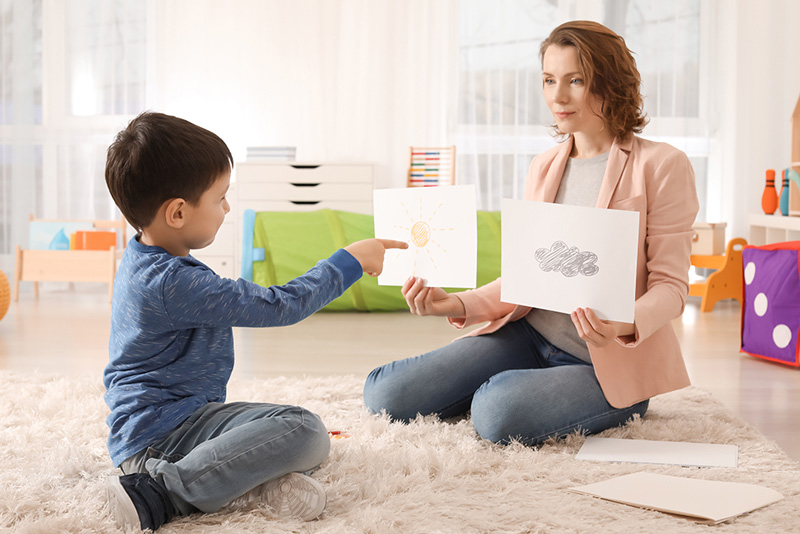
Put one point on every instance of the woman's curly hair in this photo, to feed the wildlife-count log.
(610, 73)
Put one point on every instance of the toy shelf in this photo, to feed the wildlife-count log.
(794, 192)
(34, 265)
(765, 229)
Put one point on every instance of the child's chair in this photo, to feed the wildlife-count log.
(432, 166)
(726, 281)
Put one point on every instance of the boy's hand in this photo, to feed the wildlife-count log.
(370, 252)
(423, 300)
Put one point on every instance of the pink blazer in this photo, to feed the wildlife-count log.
(656, 180)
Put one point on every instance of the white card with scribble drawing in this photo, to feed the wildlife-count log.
(559, 257)
(440, 226)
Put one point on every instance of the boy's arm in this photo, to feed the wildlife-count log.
(195, 296)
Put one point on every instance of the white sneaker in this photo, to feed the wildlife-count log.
(122, 508)
(295, 495)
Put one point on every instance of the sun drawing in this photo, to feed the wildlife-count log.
(422, 234)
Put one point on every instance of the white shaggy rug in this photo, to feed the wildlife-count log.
(425, 477)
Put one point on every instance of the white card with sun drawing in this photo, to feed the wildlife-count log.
(440, 226)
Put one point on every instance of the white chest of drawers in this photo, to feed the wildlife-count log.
(299, 186)
(294, 186)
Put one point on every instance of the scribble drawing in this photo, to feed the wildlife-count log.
(567, 260)
(423, 232)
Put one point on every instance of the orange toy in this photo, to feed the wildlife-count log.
(769, 198)
(95, 240)
(5, 294)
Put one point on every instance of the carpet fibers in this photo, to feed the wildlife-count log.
(424, 477)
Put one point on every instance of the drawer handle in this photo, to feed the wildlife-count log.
(304, 166)
(305, 202)
(298, 184)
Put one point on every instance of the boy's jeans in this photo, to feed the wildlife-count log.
(516, 384)
(224, 450)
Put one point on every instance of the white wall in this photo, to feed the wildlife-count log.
(757, 51)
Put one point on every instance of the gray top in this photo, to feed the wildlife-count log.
(580, 186)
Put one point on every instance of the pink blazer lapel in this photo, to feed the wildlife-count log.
(556, 171)
(617, 159)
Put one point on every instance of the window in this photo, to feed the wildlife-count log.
(87, 76)
(20, 115)
(106, 57)
(20, 62)
(502, 120)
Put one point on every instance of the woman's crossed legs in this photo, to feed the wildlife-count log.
(515, 383)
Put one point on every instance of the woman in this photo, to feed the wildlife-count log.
(532, 374)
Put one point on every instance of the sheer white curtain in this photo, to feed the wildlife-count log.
(364, 79)
(339, 79)
(20, 118)
(71, 72)
(502, 120)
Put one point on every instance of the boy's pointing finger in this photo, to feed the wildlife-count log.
(391, 243)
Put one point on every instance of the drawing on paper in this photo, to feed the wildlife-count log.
(440, 226)
(569, 261)
(422, 232)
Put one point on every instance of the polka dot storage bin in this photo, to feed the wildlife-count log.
(771, 310)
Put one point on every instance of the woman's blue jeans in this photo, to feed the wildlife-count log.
(222, 451)
(516, 385)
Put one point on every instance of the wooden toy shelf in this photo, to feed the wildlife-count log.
(794, 192)
(69, 265)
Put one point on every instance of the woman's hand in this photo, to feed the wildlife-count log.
(431, 300)
(597, 332)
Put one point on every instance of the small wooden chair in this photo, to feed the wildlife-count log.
(726, 281)
(432, 166)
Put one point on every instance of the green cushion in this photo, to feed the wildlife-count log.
(293, 242)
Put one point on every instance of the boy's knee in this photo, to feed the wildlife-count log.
(303, 436)
(315, 438)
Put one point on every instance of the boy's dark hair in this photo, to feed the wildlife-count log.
(159, 157)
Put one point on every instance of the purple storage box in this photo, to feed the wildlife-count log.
(771, 310)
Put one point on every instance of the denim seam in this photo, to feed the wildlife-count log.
(163, 455)
(577, 426)
(219, 465)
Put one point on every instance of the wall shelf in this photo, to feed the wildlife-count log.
(765, 229)
(794, 192)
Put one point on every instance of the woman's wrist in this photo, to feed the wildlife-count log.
(459, 310)
(625, 329)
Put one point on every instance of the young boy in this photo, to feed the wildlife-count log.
(180, 447)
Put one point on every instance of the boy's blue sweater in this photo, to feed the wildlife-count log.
(171, 345)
